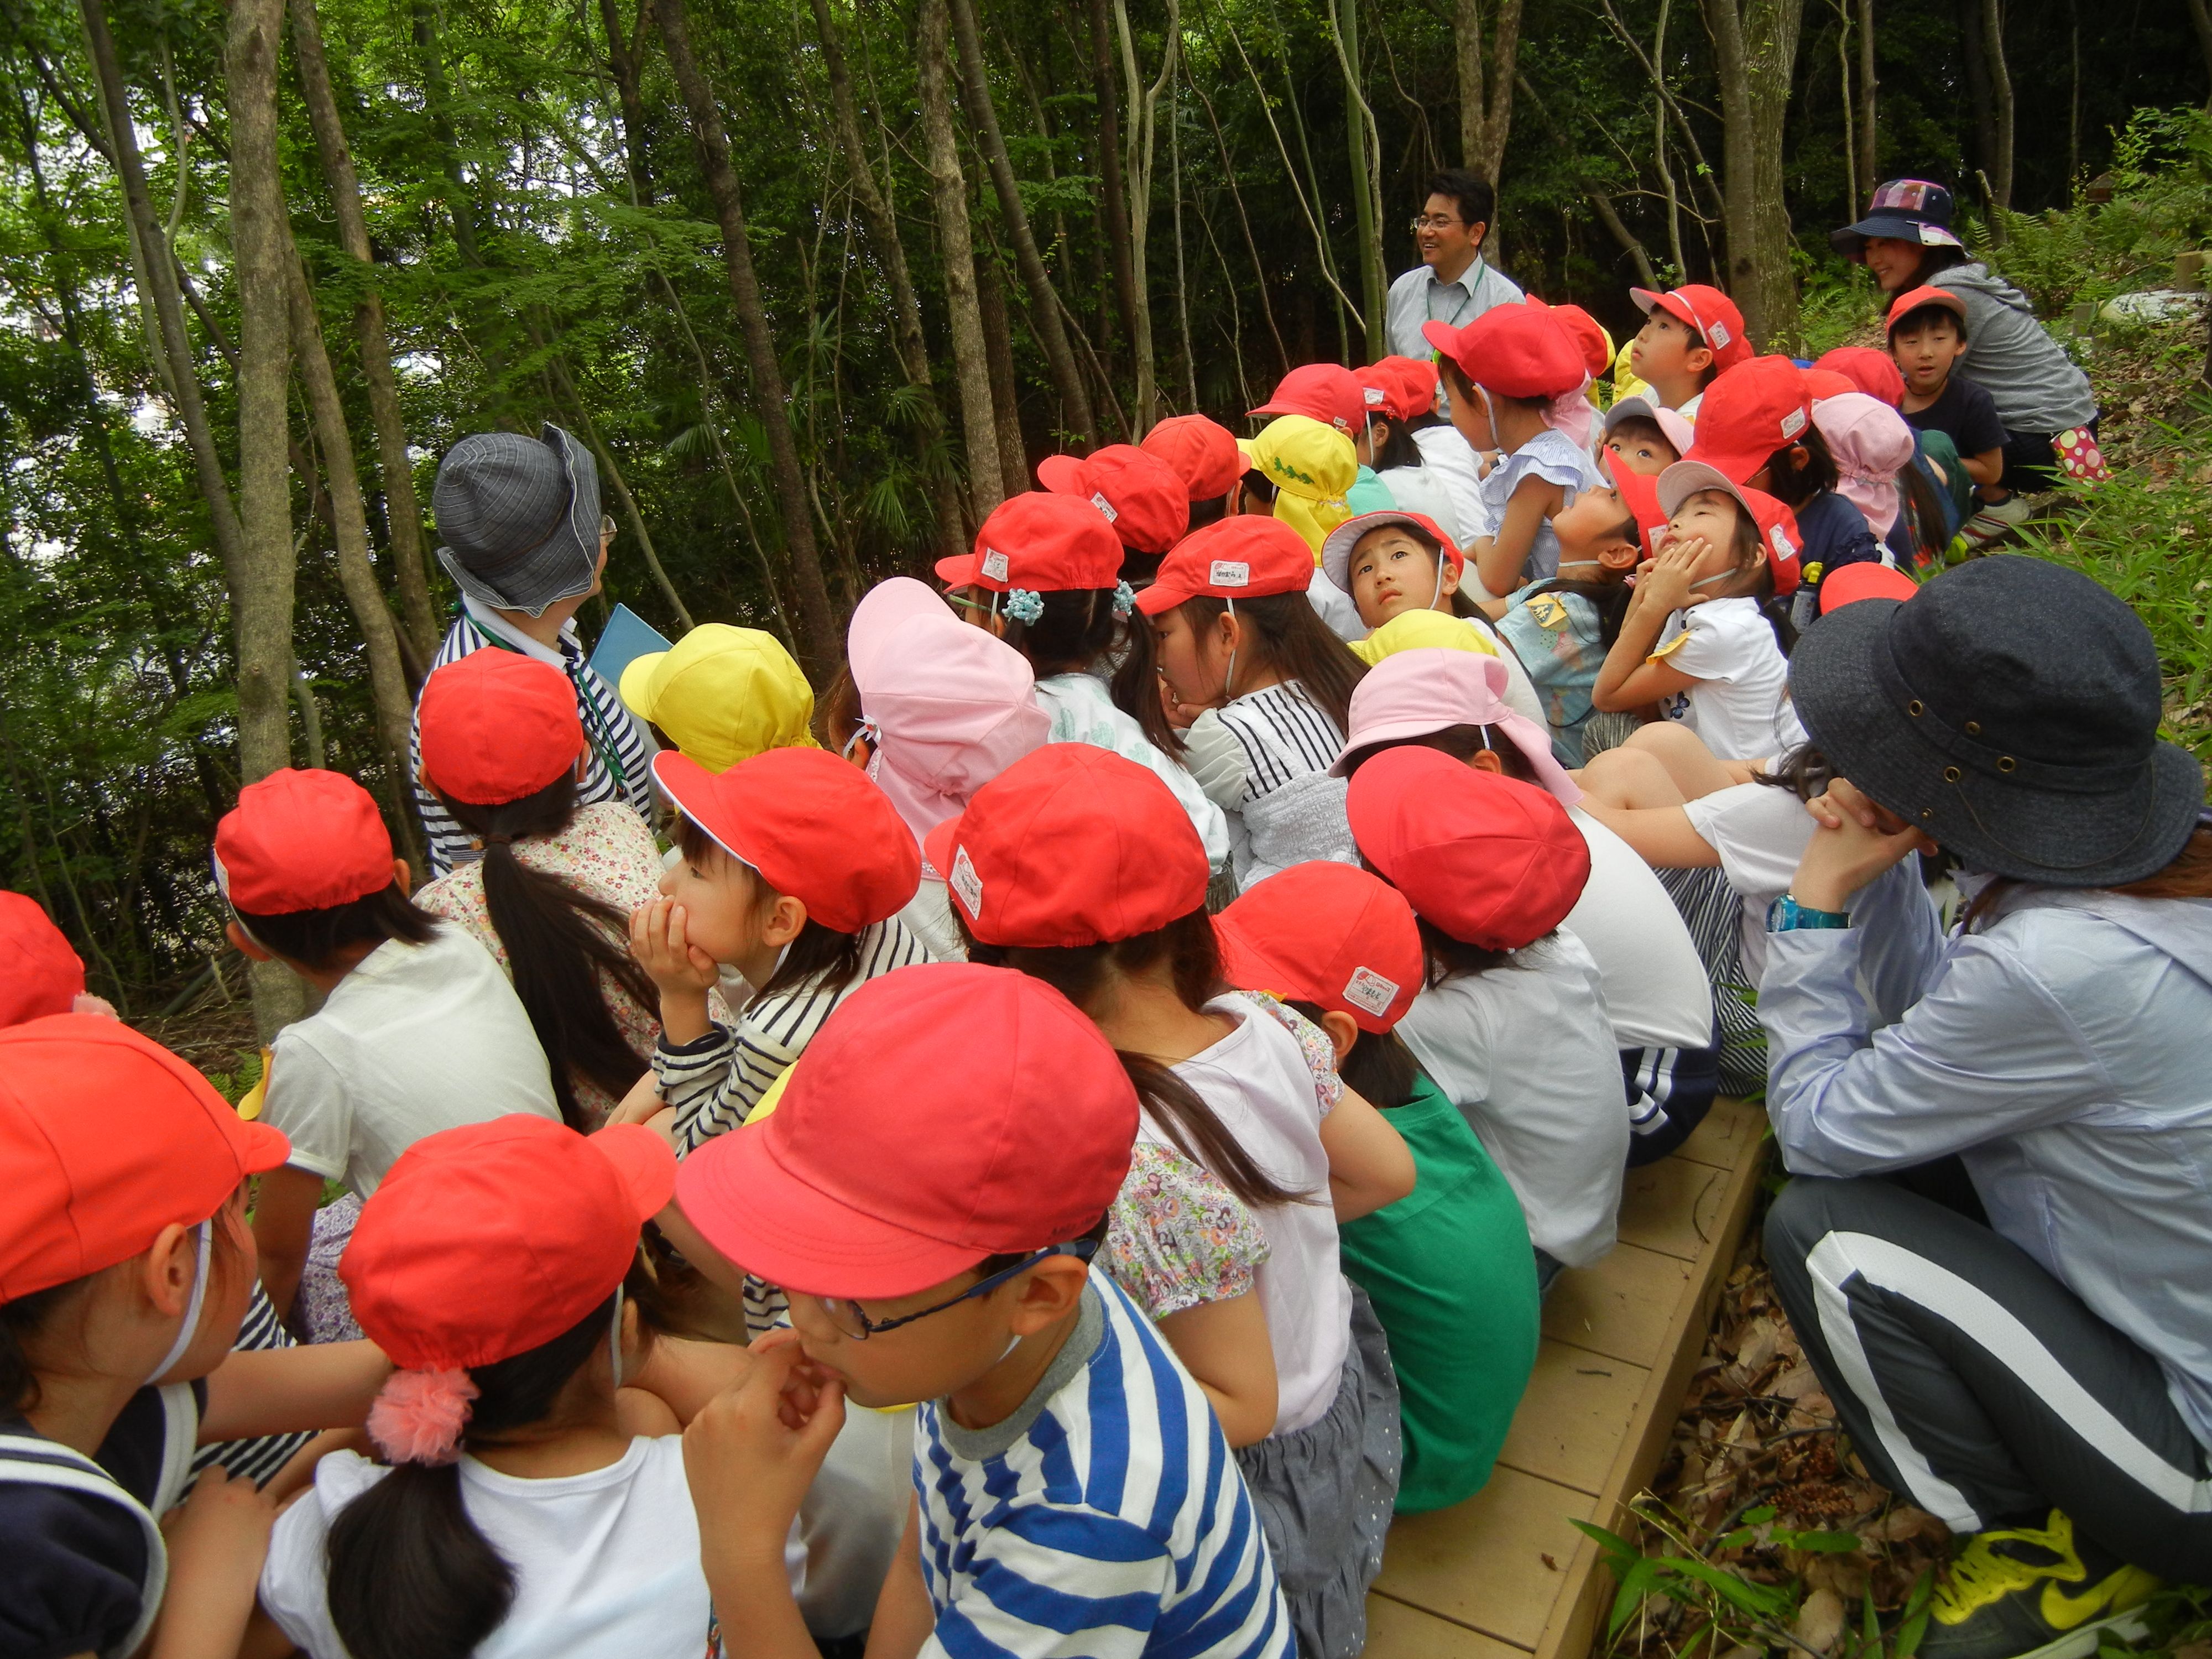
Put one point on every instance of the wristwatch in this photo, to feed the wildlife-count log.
(1786, 916)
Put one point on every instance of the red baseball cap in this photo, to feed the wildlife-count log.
(1071, 845)
(1328, 933)
(1912, 299)
(1750, 412)
(1707, 310)
(1639, 494)
(1870, 580)
(1822, 384)
(1514, 350)
(1399, 387)
(105, 1138)
(301, 839)
(1777, 525)
(41, 972)
(1203, 453)
(813, 826)
(1042, 542)
(1872, 372)
(1144, 498)
(497, 725)
(489, 1240)
(1587, 332)
(885, 1170)
(1246, 557)
(1328, 392)
(1493, 862)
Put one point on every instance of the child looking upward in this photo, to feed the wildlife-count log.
(418, 1031)
(1691, 336)
(932, 1225)
(1644, 437)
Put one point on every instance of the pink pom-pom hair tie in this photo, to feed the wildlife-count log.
(418, 1416)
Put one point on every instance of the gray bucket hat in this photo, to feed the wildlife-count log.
(520, 517)
(2010, 709)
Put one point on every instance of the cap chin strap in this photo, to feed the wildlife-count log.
(1718, 576)
(1229, 679)
(1575, 564)
(614, 1338)
(193, 1305)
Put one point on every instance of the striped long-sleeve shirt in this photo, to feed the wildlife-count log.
(617, 767)
(1106, 1517)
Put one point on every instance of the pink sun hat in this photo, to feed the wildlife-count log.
(1411, 693)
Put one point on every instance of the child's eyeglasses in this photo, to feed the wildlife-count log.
(846, 1315)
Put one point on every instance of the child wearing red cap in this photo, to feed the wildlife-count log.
(932, 1225)
(550, 891)
(1448, 1268)
(1067, 867)
(1236, 638)
(418, 1031)
(1203, 453)
(1440, 481)
(41, 972)
(512, 1512)
(126, 1269)
(1512, 1019)
(1505, 370)
(1046, 580)
(1691, 336)
(1143, 500)
(1696, 638)
(791, 869)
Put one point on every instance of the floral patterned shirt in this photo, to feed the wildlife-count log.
(1177, 1237)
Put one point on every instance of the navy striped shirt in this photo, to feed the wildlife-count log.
(1105, 1518)
(616, 768)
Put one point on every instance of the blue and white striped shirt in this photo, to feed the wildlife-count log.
(1105, 1518)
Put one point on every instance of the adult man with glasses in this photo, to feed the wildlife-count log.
(1453, 285)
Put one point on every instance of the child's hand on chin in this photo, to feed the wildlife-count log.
(657, 940)
(752, 1452)
(1664, 580)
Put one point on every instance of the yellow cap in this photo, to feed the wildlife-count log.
(723, 694)
(1419, 631)
(1624, 383)
(1311, 467)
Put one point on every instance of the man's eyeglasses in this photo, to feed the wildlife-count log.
(1434, 222)
(606, 528)
(847, 1316)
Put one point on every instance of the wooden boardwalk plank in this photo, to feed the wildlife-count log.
(1396, 1630)
(1572, 1420)
(1621, 1307)
(1481, 1563)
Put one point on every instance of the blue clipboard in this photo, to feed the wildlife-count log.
(626, 637)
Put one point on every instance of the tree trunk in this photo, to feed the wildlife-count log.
(1609, 217)
(261, 590)
(1870, 151)
(999, 353)
(1115, 208)
(387, 680)
(822, 640)
(1754, 52)
(1044, 301)
(403, 513)
(2200, 17)
(2001, 108)
(622, 64)
(1364, 148)
(971, 369)
(1144, 107)
(1486, 72)
(1977, 85)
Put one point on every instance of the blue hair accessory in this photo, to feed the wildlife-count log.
(1125, 598)
(1024, 605)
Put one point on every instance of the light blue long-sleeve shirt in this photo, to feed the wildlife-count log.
(2064, 1052)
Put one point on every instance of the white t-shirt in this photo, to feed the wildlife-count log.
(1423, 489)
(606, 1564)
(416, 1039)
(1741, 711)
(1761, 832)
(1452, 459)
(1259, 1085)
(1334, 607)
(1655, 990)
(1527, 1054)
(1083, 710)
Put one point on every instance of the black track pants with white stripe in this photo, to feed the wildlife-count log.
(1978, 1387)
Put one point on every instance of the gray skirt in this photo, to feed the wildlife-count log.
(1324, 1496)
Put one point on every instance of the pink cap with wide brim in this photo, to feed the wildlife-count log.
(1673, 427)
(1336, 547)
(1411, 693)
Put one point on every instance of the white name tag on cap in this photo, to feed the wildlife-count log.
(1228, 573)
(966, 884)
(1372, 396)
(994, 564)
(1717, 334)
(1104, 506)
(1793, 423)
(1367, 989)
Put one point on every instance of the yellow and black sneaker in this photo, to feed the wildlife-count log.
(2031, 1593)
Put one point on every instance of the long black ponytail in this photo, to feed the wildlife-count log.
(408, 1575)
(560, 941)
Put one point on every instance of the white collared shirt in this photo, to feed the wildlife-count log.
(1417, 297)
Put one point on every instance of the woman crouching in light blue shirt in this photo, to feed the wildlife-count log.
(2038, 1375)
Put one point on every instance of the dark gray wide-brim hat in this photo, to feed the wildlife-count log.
(2010, 710)
(519, 518)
